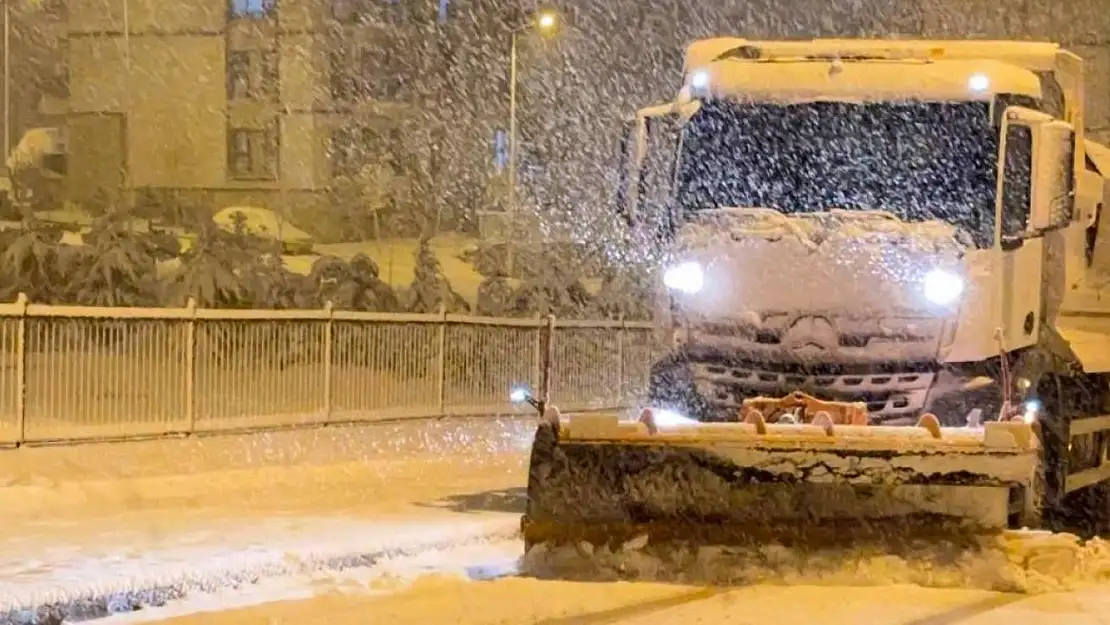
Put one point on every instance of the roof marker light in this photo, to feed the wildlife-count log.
(979, 82)
(699, 79)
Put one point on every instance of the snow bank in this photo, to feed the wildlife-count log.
(443, 569)
(104, 589)
(1018, 561)
(221, 452)
(100, 478)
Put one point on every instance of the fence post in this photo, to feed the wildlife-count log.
(547, 355)
(329, 352)
(441, 378)
(537, 354)
(622, 386)
(191, 367)
(21, 372)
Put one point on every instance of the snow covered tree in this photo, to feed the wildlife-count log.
(34, 261)
(352, 285)
(362, 200)
(118, 266)
(234, 270)
(430, 287)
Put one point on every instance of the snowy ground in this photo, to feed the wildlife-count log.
(383, 465)
(99, 519)
(415, 523)
(475, 586)
(448, 599)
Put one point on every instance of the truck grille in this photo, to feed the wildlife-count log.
(889, 396)
(814, 339)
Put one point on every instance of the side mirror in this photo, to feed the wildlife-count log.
(1015, 203)
(656, 173)
(1053, 176)
(627, 162)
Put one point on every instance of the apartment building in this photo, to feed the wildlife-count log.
(260, 102)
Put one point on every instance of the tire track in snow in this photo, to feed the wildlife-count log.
(954, 616)
(965, 613)
(117, 596)
(644, 608)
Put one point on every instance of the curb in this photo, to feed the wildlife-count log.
(94, 604)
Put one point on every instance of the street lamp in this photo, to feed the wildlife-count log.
(544, 21)
(7, 82)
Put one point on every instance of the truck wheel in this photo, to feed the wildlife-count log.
(672, 387)
(953, 409)
(1098, 502)
(1025, 510)
(1068, 399)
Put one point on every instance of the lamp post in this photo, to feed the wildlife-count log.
(7, 80)
(544, 21)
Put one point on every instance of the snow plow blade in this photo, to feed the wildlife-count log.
(598, 479)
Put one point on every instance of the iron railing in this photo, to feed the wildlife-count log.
(79, 373)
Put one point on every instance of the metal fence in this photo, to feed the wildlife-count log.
(75, 373)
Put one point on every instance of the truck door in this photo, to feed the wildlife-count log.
(626, 167)
(1019, 248)
(655, 184)
(1056, 214)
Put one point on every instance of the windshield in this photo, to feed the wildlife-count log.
(918, 160)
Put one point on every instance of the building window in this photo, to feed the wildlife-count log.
(344, 82)
(353, 148)
(252, 75)
(372, 73)
(368, 11)
(252, 9)
(252, 154)
(381, 73)
(500, 150)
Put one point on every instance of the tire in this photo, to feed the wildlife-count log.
(952, 409)
(1085, 512)
(671, 387)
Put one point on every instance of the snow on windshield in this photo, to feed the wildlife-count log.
(920, 161)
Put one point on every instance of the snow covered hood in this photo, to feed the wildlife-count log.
(810, 232)
(857, 262)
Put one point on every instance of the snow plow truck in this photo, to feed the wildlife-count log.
(885, 267)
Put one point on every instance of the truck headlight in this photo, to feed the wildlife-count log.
(1032, 409)
(686, 278)
(943, 287)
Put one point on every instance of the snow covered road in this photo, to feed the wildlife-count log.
(96, 520)
(399, 593)
(412, 523)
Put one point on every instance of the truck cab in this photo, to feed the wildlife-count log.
(913, 225)
(843, 217)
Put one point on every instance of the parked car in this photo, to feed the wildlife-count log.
(266, 223)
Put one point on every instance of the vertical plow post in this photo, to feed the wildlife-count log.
(547, 355)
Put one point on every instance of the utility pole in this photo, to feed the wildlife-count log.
(543, 22)
(7, 79)
(512, 125)
(128, 200)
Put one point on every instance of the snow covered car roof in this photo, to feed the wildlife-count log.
(262, 222)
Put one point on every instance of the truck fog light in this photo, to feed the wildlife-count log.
(943, 287)
(687, 278)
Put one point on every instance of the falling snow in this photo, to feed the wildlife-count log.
(873, 225)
